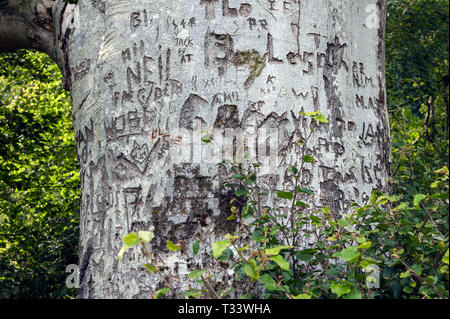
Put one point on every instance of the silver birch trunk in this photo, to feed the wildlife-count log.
(149, 79)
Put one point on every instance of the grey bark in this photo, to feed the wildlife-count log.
(141, 70)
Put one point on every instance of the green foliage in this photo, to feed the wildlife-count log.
(388, 248)
(417, 51)
(417, 83)
(39, 179)
(404, 237)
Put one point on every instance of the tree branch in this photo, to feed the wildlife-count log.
(40, 25)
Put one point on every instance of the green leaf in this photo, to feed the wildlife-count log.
(348, 254)
(305, 190)
(365, 245)
(445, 257)
(309, 251)
(131, 239)
(417, 269)
(195, 247)
(293, 170)
(308, 159)
(315, 219)
(304, 257)
(268, 282)
(302, 204)
(310, 114)
(161, 293)
(251, 269)
(354, 294)
(146, 236)
(258, 235)
(240, 192)
(275, 250)
(226, 255)
(3, 218)
(361, 239)
(340, 289)
(171, 246)
(342, 222)
(152, 268)
(321, 118)
(405, 274)
(122, 251)
(418, 198)
(283, 264)
(196, 273)
(247, 211)
(285, 195)
(206, 139)
(302, 296)
(226, 292)
(192, 293)
(219, 247)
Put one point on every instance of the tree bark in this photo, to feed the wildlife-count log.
(149, 79)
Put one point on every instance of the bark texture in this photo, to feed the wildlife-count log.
(141, 71)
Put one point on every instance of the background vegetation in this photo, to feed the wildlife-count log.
(39, 180)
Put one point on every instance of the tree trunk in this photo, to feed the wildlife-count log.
(150, 79)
